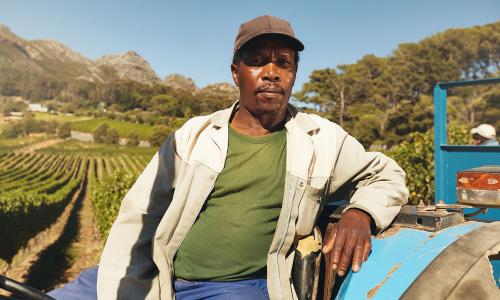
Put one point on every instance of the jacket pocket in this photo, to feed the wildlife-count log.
(308, 210)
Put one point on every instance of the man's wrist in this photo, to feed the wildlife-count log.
(362, 215)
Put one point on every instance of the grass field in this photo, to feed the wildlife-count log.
(123, 128)
(59, 118)
(87, 149)
(13, 144)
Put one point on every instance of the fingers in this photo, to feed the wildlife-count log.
(330, 234)
(347, 253)
(367, 247)
(350, 249)
(357, 258)
(337, 250)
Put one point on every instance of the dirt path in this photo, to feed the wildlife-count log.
(31, 148)
(87, 248)
(23, 261)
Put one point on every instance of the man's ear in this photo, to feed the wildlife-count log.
(234, 73)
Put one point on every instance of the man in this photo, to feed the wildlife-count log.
(484, 135)
(217, 212)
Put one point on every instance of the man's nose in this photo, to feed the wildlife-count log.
(270, 72)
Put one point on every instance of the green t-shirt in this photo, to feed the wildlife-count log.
(231, 236)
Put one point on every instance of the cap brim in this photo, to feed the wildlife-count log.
(297, 44)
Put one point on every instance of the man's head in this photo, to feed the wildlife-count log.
(482, 133)
(264, 64)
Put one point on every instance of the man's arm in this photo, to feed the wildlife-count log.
(379, 191)
(126, 269)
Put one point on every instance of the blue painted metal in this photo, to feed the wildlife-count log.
(450, 159)
(406, 254)
(440, 138)
(451, 84)
(460, 158)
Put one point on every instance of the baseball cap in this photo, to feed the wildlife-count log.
(265, 25)
(485, 130)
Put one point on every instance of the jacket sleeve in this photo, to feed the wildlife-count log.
(374, 182)
(126, 268)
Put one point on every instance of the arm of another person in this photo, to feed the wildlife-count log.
(377, 187)
(126, 268)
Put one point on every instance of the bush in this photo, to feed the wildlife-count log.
(416, 157)
(160, 134)
(112, 136)
(133, 139)
(100, 133)
(64, 130)
(107, 197)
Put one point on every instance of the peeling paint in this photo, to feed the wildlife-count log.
(389, 232)
(375, 289)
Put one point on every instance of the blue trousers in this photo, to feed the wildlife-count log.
(84, 288)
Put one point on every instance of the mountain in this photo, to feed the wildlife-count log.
(44, 59)
(180, 82)
(27, 63)
(129, 66)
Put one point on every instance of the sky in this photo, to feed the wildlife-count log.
(195, 38)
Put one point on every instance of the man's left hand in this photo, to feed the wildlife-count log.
(349, 241)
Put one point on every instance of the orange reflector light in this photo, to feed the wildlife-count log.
(483, 178)
(479, 187)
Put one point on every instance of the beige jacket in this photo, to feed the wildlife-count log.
(162, 205)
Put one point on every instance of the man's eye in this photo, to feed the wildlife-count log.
(257, 61)
(284, 63)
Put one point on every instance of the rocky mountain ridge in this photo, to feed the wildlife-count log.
(49, 58)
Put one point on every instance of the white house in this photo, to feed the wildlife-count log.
(38, 107)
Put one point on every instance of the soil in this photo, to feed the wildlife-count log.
(36, 146)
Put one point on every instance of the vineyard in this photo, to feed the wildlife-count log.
(58, 200)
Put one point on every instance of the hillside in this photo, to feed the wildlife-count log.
(27, 64)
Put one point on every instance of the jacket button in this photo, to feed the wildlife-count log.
(212, 177)
(301, 184)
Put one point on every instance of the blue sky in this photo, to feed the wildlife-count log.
(195, 38)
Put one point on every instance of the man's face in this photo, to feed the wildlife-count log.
(265, 75)
(478, 139)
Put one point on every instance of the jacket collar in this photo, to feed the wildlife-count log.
(294, 116)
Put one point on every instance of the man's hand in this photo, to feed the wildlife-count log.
(348, 241)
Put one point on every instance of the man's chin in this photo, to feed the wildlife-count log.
(271, 107)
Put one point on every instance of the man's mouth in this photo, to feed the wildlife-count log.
(270, 90)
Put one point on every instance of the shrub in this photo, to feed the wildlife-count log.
(133, 139)
(100, 133)
(107, 197)
(64, 130)
(160, 134)
(112, 136)
(416, 157)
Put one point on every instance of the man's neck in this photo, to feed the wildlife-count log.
(246, 123)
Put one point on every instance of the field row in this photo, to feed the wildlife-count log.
(36, 187)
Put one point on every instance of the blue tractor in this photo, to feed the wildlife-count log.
(448, 250)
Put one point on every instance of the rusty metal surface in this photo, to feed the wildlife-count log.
(432, 219)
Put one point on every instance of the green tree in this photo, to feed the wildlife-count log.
(217, 96)
(112, 136)
(64, 130)
(133, 139)
(159, 135)
(166, 105)
(100, 133)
